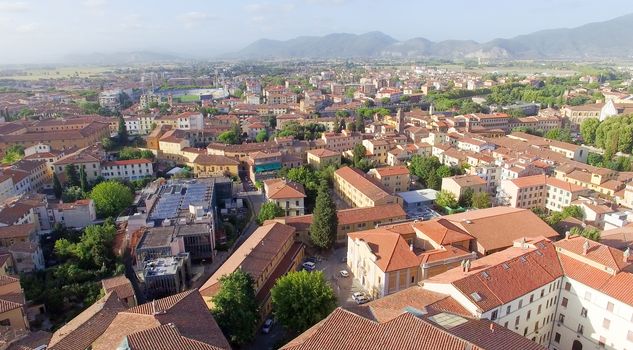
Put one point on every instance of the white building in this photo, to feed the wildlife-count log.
(132, 169)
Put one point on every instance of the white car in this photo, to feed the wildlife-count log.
(357, 295)
(308, 265)
(362, 300)
(344, 273)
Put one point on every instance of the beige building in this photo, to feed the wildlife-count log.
(394, 179)
(323, 157)
(213, 165)
(349, 220)
(267, 254)
(13, 320)
(288, 195)
(341, 142)
(459, 183)
(358, 189)
(388, 259)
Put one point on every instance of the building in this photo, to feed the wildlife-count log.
(341, 142)
(412, 200)
(166, 276)
(395, 257)
(110, 99)
(262, 166)
(358, 189)
(83, 330)
(267, 254)
(123, 288)
(27, 257)
(13, 320)
(180, 321)
(459, 183)
(131, 169)
(349, 220)
(517, 288)
(323, 157)
(205, 165)
(394, 178)
(288, 195)
(411, 328)
(539, 191)
(78, 214)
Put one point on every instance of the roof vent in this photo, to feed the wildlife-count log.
(475, 296)
(469, 221)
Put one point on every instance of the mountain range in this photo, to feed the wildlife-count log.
(608, 39)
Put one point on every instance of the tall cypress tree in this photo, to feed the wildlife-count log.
(57, 186)
(83, 181)
(122, 132)
(324, 219)
(72, 177)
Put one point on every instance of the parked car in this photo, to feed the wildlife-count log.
(362, 300)
(308, 265)
(357, 295)
(344, 273)
(267, 326)
(311, 259)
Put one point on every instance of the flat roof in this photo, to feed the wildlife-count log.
(416, 196)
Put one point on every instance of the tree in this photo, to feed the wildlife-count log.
(13, 154)
(444, 171)
(588, 130)
(83, 179)
(235, 307)
(72, 194)
(301, 299)
(261, 136)
(94, 248)
(558, 134)
(385, 100)
(72, 177)
(405, 98)
(111, 197)
(122, 132)
(57, 186)
(107, 144)
(269, 211)
(358, 153)
(324, 219)
(425, 168)
(446, 199)
(229, 137)
(359, 123)
(466, 198)
(481, 200)
(591, 233)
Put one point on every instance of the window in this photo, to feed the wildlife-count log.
(602, 342)
(508, 309)
(606, 323)
(561, 318)
(516, 321)
(528, 315)
(610, 306)
(583, 312)
(493, 316)
(557, 338)
(531, 298)
(563, 302)
(5, 322)
(538, 312)
(542, 292)
(520, 303)
(580, 329)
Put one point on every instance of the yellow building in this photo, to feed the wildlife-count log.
(459, 183)
(393, 178)
(323, 157)
(359, 190)
(13, 321)
(206, 165)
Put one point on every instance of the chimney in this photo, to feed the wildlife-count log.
(411, 247)
(585, 247)
(626, 255)
(492, 327)
(467, 266)
(566, 235)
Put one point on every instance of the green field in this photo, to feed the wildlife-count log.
(189, 98)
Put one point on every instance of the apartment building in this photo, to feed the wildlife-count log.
(288, 195)
(395, 178)
(577, 114)
(267, 254)
(131, 169)
(459, 183)
(358, 189)
(349, 220)
(166, 276)
(341, 142)
(13, 320)
(205, 165)
(78, 214)
(323, 157)
(376, 150)
(263, 165)
(388, 259)
(488, 288)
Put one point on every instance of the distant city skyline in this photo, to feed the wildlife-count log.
(46, 31)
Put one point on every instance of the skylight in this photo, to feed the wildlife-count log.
(475, 296)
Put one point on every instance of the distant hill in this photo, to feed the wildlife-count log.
(594, 40)
(99, 58)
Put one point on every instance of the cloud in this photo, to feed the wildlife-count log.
(326, 2)
(194, 18)
(266, 7)
(93, 3)
(132, 21)
(27, 28)
(14, 6)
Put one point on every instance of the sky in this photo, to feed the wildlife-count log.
(44, 31)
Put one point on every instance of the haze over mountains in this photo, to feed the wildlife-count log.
(610, 38)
